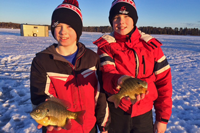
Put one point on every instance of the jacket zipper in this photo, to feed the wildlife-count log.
(75, 74)
(137, 64)
(144, 66)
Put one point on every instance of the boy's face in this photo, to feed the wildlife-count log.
(65, 35)
(123, 24)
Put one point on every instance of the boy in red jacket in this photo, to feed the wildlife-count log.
(128, 52)
(69, 71)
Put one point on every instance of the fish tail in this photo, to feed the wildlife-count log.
(115, 100)
(79, 117)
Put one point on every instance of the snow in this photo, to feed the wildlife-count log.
(17, 52)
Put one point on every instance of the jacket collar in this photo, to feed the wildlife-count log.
(130, 39)
(51, 50)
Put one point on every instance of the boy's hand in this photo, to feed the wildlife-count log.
(50, 128)
(121, 80)
(138, 97)
(160, 127)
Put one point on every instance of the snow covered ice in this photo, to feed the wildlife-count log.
(17, 52)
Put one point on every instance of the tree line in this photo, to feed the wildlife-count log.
(106, 29)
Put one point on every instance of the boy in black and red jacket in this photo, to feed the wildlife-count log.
(69, 71)
(127, 52)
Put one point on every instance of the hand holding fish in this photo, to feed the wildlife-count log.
(130, 88)
(50, 128)
(121, 80)
(138, 97)
(54, 114)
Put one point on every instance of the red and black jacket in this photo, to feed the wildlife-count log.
(79, 84)
(138, 55)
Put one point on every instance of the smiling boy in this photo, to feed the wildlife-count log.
(69, 71)
(127, 52)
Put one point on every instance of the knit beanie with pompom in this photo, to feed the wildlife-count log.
(125, 7)
(69, 13)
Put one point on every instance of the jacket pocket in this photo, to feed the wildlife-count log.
(144, 65)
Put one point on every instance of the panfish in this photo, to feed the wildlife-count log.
(130, 87)
(54, 112)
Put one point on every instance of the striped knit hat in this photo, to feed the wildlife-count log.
(126, 7)
(69, 13)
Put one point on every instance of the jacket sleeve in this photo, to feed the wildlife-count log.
(102, 110)
(110, 75)
(38, 83)
(162, 70)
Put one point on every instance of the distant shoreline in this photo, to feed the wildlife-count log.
(107, 29)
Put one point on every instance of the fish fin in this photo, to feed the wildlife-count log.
(60, 101)
(115, 100)
(68, 124)
(44, 122)
(79, 118)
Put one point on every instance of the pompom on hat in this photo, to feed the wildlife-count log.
(69, 13)
(126, 7)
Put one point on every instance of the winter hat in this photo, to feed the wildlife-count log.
(126, 7)
(69, 13)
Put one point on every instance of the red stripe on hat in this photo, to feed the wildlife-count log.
(127, 1)
(74, 8)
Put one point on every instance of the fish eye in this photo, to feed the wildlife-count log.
(47, 110)
(37, 111)
(138, 82)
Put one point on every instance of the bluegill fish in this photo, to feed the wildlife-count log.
(54, 112)
(130, 87)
